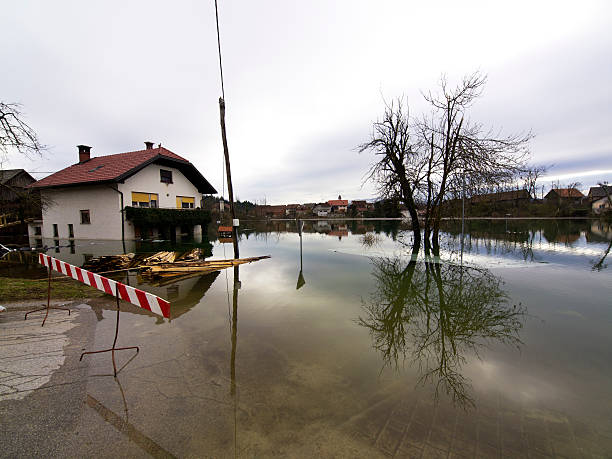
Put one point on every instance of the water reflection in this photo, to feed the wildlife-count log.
(568, 242)
(183, 294)
(234, 338)
(521, 240)
(124, 426)
(301, 281)
(435, 315)
(601, 263)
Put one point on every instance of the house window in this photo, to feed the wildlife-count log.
(37, 230)
(144, 199)
(55, 230)
(185, 202)
(85, 217)
(165, 176)
(70, 230)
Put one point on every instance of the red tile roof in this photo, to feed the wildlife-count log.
(568, 193)
(105, 168)
(338, 202)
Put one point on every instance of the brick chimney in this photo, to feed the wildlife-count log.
(149, 145)
(84, 153)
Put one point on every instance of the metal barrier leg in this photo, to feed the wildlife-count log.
(113, 349)
(48, 302)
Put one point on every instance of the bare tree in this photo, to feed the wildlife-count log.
(530, 179)
(16, 134)
(463, 152)
(399, 171)
(425, 161)
(574, 184)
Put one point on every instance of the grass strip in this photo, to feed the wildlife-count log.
(16, 289)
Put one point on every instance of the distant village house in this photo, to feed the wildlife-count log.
(600, 198)
(17, 201)
(292, 210)
(360, 207)
(268, 211)
(338, 205)
(13, 183)
(322, 210)
(564, 195)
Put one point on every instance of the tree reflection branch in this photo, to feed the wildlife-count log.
(601, 263)
(437, 314)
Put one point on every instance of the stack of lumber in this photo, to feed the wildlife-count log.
(166, 267)
(111, 263)
(194, 255)
(159, 257)
(127, 261)
(171, 257)
(202, 267)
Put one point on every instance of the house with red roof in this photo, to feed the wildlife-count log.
(92, 198)
(564, 195)
(338, 205)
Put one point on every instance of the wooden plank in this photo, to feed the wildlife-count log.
(200, 266)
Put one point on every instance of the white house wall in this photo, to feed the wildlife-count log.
(597, 205)
(66, 203)
(148, 180)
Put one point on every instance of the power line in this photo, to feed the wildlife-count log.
(222, 89)
(219, 47)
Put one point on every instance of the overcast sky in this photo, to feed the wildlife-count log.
(303, 82)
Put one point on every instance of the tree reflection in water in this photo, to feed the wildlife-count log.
(436, 315)
(601, 263)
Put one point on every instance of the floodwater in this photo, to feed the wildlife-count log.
(342, 344)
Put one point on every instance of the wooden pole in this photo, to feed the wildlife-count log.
(228, 171)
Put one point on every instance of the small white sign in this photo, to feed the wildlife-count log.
(236, 222)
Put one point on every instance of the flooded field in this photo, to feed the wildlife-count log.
(342, 344)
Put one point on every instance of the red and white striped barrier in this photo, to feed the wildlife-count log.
(132, 295)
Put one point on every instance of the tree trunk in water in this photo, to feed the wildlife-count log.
(435, 238)
(416, 227)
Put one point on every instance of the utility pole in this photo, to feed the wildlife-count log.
(462, 213)
(228, 171)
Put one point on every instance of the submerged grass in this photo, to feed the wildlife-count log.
(18, 289)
